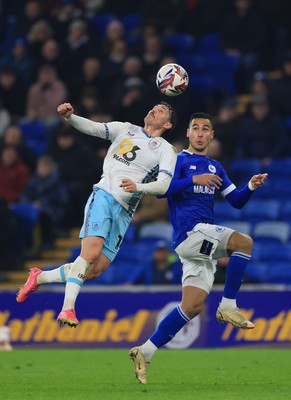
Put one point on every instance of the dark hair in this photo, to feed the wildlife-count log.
(201, 115)
(173, 115)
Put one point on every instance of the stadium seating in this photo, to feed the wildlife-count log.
(279, 168)
(240, 226)
(279, 272)
(259, 210)
(271, 232)
(275, 252)
(244, 169)
(223, 211)
(286, 211)
(27, 215)
(209, 43)
(180, 43)
(35, 136)
(156, 231)
(257, 272)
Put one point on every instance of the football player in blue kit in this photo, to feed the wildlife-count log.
(199, 242)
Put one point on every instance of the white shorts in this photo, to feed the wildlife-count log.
(199, 252)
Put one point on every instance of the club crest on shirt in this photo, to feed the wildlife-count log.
(154, 144)
(192, 167)
(96, 226)
(212, 168)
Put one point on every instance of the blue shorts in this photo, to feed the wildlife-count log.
(107, 218)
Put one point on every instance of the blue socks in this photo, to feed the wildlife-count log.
(169, 326)
(235, 274)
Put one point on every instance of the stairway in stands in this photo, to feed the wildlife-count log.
(54, 257)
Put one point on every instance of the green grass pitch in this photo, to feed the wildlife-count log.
(217, 374)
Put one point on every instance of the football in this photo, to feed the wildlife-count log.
(172, 80)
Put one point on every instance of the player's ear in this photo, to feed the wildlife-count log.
(187, 133)
(168, 125)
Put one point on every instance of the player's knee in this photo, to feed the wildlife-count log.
(240, 242)
(192, 310)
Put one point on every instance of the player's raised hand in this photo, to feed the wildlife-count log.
(258, 180)
(209, 180)
(65, 110)
(128, 185)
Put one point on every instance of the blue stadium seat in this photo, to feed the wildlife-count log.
(271, 232)
(240, 226)
(27, 215)
(209, 43)
(281, 188)
(244, 169)
(257, 272)
(180, 43)
(286, 211)
(100, 21)
(259, 210)
(279, 168)
(35, 136)
(223, 211)
(156, 230)
(193, 63)
(276, 252)
(279, 272)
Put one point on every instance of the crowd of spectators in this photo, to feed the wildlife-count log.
(103, 56)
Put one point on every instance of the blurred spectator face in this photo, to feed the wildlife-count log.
(7, 79)
(153, 44)
(19, 49)
(77, 30)
(287, 68)
(50, 50)
(114, 30)
(214, 149)
(260, 110)
(226, 114)
(161, 256)
(45, 166)
(65, 142)
(13, 136)
(47, 75)
(32, 9)
(91, 67)
(242, 6)
(40, 32)
(9, 157)
(132, 66)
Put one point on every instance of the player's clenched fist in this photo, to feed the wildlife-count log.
(65, 110)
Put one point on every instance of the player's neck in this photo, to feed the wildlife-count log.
(150, 130)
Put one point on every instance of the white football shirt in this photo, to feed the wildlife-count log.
(133, 155)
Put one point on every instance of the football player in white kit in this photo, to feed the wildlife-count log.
(138, 157)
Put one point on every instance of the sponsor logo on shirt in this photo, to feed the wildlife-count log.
(203, 189)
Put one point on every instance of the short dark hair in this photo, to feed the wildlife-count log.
(201, 115)
(172, 113)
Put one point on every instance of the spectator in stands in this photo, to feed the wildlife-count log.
(20, 59)
(77, 46)
(39, 33)
(50, 54)
(280, 89)
(12, 92)
(14, 175)
(244, 35)
(45, 95)
(5, 119)
(114, 31)
(46, 191)
(256, 134)
(79, 169)
(13, 137)
(164, 267)
(9, 259)
(28, 16)
(226, 127)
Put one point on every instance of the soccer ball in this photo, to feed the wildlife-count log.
(172, 79)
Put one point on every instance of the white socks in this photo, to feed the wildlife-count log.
(75, 281)
(148, 349)
(55, 275)
(226, 304)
